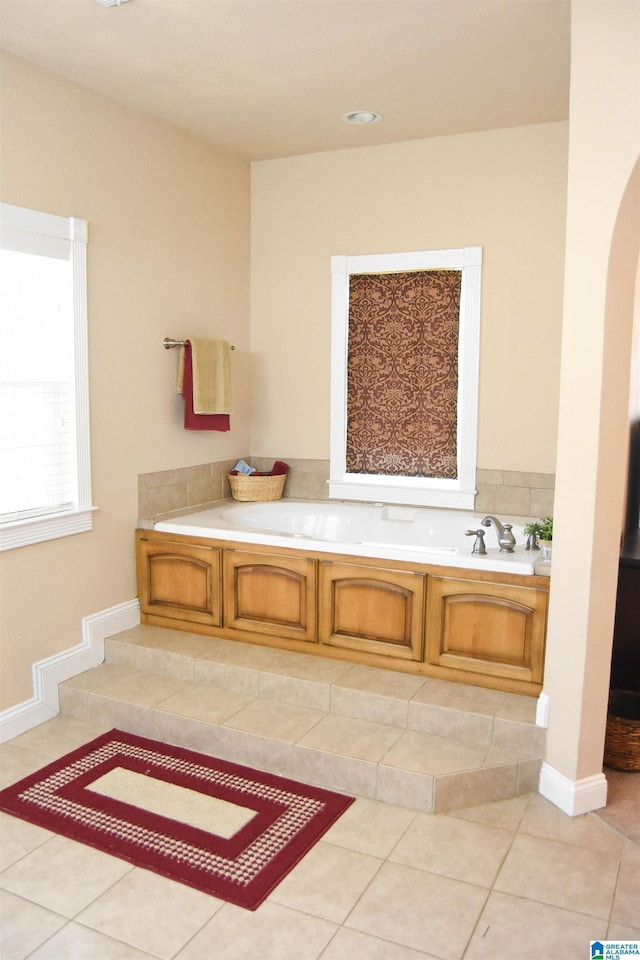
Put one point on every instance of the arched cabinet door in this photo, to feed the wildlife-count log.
(490, 628)
(371, 609)
(179, 580)
(267, 594)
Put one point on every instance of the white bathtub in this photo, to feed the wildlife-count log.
(417, 534)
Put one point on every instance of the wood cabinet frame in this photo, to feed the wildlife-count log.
(475, 626)
(178, 580)
(372, 610)
(478, 627)
(272, 595)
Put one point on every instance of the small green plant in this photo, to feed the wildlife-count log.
(546, 529)
(542, 529)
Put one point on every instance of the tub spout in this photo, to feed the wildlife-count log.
(506, 539)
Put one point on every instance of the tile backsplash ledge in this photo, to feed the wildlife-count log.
(499, 491)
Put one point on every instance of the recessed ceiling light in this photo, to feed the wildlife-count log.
(362, 117)
(112, 3)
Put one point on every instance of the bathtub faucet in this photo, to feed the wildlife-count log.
(506, 539)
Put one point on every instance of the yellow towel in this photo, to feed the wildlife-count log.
(211, 364)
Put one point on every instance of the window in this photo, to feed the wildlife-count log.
(404, 365)
(45, 487)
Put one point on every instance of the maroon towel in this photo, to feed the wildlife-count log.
(198, 421)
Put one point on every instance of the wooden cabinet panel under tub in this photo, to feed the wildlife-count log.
(371, 609)
(493, 629)
(481, 627)
(268, 594)
(178, 579)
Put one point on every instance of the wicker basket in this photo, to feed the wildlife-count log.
(248, 487)
(622, 740)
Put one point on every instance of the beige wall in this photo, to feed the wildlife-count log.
(603, 245)
(504, 190)
(168, 255)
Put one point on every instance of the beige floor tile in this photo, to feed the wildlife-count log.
(155, 660)
(512, 928)
(453, 724)
(519, 708)
(161, 638)
(97, 676)
(75, 942)
(383, 683)
(140, 688)
(345, 774)
(544, 819)
(370, 827)
(202, 702)
(304, 693)
(18, 838)
(405, 788)
(272, 932)
(24, 926)
(226, 676)
(424, 753)
(351, 737)
(630, 849)
(59, 736)
(353, 945)
(525, 738)
(529, 775)
(618, 931)
(626, 902)
(454, 848)
(419, 910)
(306, 667)
(278, 721)
(501, 813)
(455, 790)
(63, 876)
(276, 756)
(369, 706)
(458, 696)
(248, 655)
(166, 915)
(16, 763)
(560, 874)
(311, 886)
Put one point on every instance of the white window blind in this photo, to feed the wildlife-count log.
(44, 441)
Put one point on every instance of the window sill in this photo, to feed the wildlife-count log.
(21, 533)
(416, 494)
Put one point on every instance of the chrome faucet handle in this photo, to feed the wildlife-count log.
(478, 544)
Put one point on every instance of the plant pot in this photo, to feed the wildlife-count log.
(545, 550)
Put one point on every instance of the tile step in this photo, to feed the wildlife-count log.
(416, 742)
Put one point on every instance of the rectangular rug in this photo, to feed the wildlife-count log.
(222, 828)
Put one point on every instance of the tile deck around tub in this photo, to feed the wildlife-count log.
(412, 741)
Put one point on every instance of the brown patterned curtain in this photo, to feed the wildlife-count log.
(402, 373)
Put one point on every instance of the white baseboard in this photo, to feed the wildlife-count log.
(573, 796)
(48, 673)
(542, 710)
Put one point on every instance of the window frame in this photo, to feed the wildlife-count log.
(79, 519)
(422, 491)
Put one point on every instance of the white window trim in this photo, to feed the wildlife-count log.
(423, 491)
(20, 533)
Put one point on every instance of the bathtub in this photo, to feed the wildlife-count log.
(413, 534)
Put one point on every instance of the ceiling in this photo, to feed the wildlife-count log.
(273, 78)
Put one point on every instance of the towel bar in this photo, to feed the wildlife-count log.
(169, 343)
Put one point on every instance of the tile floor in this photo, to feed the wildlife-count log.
(511, 880)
